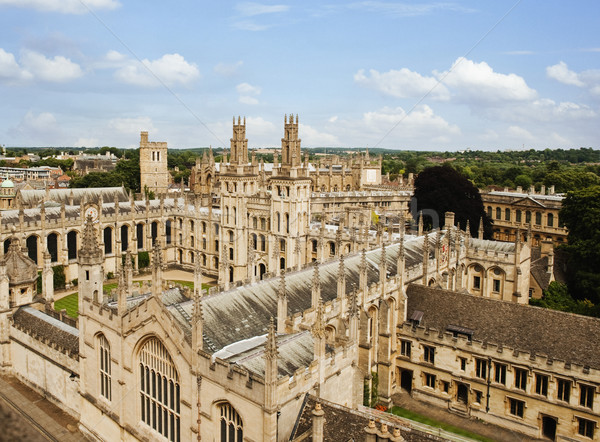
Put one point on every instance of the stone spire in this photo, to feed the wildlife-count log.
(318, 332)
(363, 280)
(425, 257)
(420, 228)
(468, 229)
(282, 307)
(47, 278)
(401, 263)
(90, 251)
(316, 286)
(198, 279)
(271, 356)
(341, 285)
(125, 282)
(383, 265)
(197, 322)
(157, 264)
(354, 317)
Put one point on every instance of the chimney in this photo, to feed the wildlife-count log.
(543, 190)
(551, 190)
(519, 189)
(449, 221)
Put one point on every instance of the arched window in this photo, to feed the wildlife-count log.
(159, 390)
(71, 244)
(282, 245)
(550, 220)
(231, 253)
(168, 231)
(287, 223)
(203, 227)
(263, 243)
(489, 212)
(254, 223)
(507, 214)
(105, 369)
(278, 222)
(498, 213)
(232, 427)
(124, 237)
(230, 236)
(52, 244)
(528, 217)
(538, 218)
(139, 233)
(154, 231)
(107, 240)
(518, 216)
(254, 241)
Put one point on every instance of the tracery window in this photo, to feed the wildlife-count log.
(159, 390)
(105, 368)
(232, 429)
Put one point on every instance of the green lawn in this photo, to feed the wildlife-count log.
(432, 422)
(70, 303)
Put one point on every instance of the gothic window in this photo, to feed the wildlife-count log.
(216, 226)
(105, 369)
(282, 245)
(71, 244)
(254, 241)
(139, 233)
(278, 222)
(203, 227)
(263, 223)
(231, 273)
(231, 253)
(263, 245)
(287, 222)
(230, 236)
(154, 231)
(231, 425)
(124, 237)
(52, 243)
(107, 240)
(159, 390)
(254, 223)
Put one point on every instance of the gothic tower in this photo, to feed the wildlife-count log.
(153, 165)
(290, 202)
(239, 180)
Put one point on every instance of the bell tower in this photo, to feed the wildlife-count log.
(239, 181)
(290, 202)
(154, 175)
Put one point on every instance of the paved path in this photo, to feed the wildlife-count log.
(493, 432)
(21, 403)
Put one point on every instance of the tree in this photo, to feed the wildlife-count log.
(580, 213)
(443, 189)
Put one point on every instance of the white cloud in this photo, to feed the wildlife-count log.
(87, 142)
(246, 25)
(10, 69)
(248, 93)
(311, 137)
(228, 69)
(421, 122)
(561, 72)
(333, 119)
(402, 83)
(406, 9)
(247, 89)
(171, 69)
(63, 6)
(57, 70)
(245, 99)
(34, 65)
(36, 128)
(520, 133)
(477, 83)
(132, 126)
(250, 9)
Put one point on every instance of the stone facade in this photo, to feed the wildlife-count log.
(153, 165)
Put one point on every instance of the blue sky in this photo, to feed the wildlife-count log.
(407, 75)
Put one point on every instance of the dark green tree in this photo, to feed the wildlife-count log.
(580, 213)
(443, 189)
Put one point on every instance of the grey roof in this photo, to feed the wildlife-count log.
(345, 424)
(294, 351)
(48, 329)
(244, 312)
(558, 335)
(32, 198)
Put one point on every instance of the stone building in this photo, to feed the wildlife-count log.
(153, 165)
(524, 212)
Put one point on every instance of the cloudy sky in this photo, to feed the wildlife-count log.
(410, 75)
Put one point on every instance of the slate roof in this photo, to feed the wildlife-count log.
(32, 198)
(244, 312)
(539, 267)
(559, 335)
(47, 329)
(345, 424)
(294, 351)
